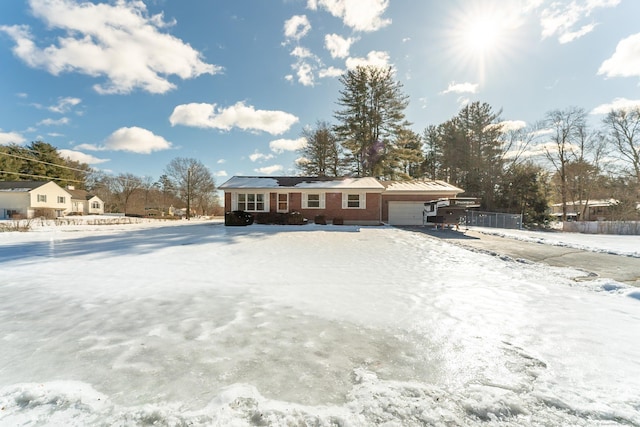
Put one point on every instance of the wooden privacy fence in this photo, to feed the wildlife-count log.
(602, 227)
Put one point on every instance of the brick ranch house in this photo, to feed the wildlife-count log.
(357, 201)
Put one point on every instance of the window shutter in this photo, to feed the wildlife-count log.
(322, 200)
(345, 200)
(234, 201)
(363, 200)
(305, 201)
(267, 202)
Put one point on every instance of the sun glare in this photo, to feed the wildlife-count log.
(481, 37)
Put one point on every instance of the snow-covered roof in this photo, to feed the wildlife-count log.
(420, 186)
(300, 182)
(20, 186)
(591, 203)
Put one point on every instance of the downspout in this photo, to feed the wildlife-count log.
(380, 213)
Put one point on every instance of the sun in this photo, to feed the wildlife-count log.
(482, 36)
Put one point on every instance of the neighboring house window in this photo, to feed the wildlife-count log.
(251, 202)
(42, 198)
(313, 201)
(283, 202)
(353, 201)
(95, 205)
(61, 199)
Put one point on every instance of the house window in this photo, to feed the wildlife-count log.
(42, 198)
(95, 205)
(283, 202)
(61, 199)
(313, 201)
(252, 202)
(353, 201)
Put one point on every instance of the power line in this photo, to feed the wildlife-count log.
(43, 162)
(41, 176)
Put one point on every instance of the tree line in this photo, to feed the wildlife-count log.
(186, 183)
(516, 169)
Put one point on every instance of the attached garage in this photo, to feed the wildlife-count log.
(403, 201)
(405, 213)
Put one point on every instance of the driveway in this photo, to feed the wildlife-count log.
(620, 268)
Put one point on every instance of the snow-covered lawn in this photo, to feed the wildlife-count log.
(194, 323)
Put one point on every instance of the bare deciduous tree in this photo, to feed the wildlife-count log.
(623, 129)
(566, 129)
(192, 180)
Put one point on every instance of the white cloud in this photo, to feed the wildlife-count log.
(280, 145)
(119, 41)
(52, 122)
(561, 19)
(568, 37)
(296, 27)
(625, 62)
(330, 72)
(301, 52)
(301, 161)
(239, 115)
(304, 71)
(221, 174)
(259, 156)
(337, 45)
(11, 138)
(77, 156)
(461, 88)
(617, 104)
(221, 161)
(305, 65)
(132, 139)
(361, 15)
(374, 58)
(64, 105)
(269, 170)
(511, 125)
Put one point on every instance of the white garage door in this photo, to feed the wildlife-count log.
(405, 213)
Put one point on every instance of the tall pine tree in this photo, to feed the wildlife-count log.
(372, 115)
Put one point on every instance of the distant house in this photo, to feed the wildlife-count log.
(84, 203)
(363, 201)
(581, 210)
(28, 199)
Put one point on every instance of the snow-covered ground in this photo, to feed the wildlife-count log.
(194, 323)
(605, 243)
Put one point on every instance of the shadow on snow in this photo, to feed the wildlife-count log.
(142, 241)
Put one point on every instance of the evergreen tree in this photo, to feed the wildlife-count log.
(404, 160)
(372, 115)
(322, 156)
(523, 190)
(40, 161)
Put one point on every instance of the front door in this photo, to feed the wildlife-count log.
(283, 202)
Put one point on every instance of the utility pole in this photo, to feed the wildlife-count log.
(189, 193)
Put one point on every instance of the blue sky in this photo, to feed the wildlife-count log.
(126, 85)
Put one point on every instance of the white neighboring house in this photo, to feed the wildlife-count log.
(83, 203)
(28, 199)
